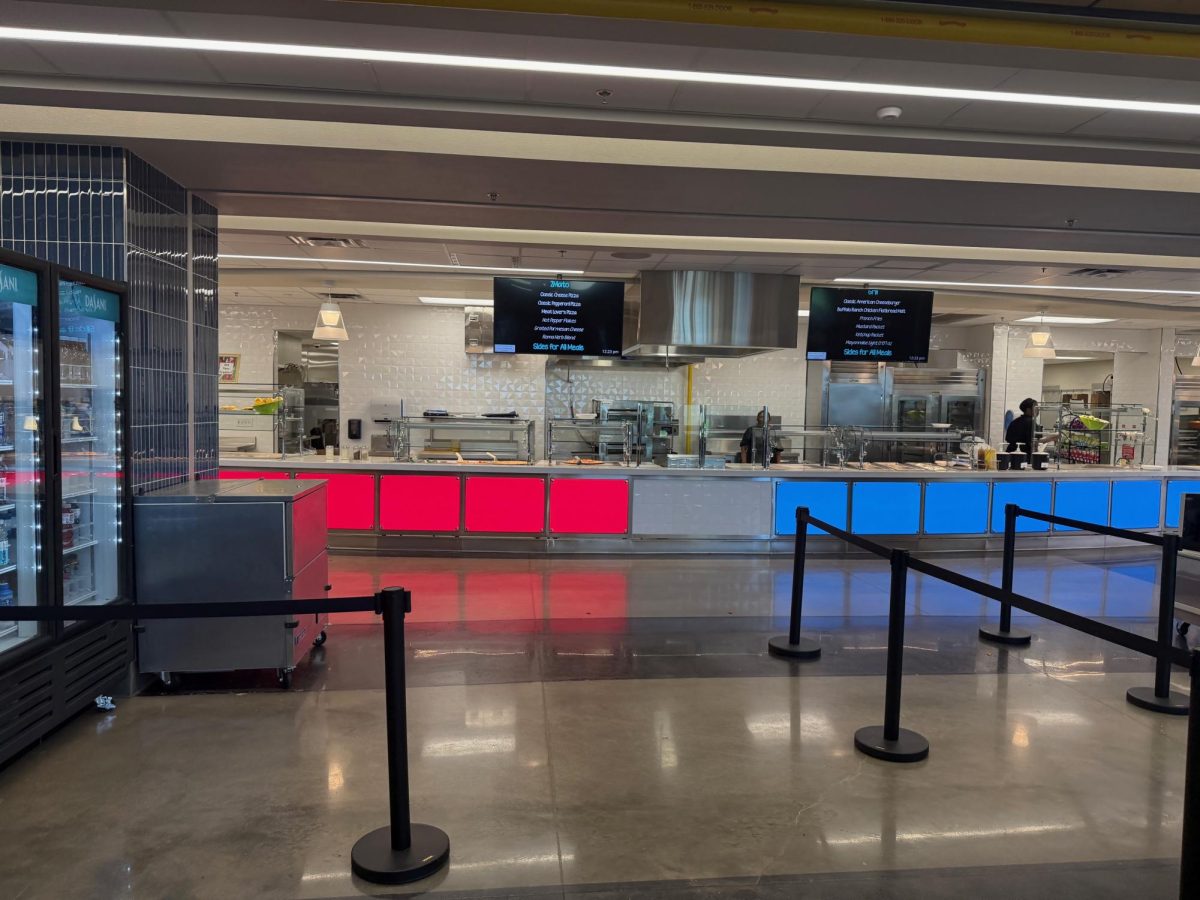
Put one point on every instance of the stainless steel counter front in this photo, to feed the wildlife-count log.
(488, 508)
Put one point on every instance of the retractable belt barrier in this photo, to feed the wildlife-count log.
(892, 743)
(397, 853)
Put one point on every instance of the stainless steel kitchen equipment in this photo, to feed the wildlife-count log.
(230, 541)
(1185, 422)
(589, 438)
(909, 413)
(467, 437)
(654, 421)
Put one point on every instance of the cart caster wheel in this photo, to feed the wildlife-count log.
(320, 639)
(285, 679)
(1183, 628)
(168, 680)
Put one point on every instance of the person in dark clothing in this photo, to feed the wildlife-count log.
(751, 450)
(1022, 434)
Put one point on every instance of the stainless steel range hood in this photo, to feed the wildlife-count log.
(691, 316)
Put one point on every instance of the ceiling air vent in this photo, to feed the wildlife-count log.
(1097, 273)
(345, 298)
(336, 242)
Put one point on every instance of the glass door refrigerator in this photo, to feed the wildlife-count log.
(64, 504)
(24, 290)
(91, 497)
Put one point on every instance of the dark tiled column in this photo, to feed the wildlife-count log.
(108, 212)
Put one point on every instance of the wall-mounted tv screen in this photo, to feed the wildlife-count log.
(559, 317)
(869, 325)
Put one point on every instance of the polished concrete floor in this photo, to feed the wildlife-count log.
(614, 728)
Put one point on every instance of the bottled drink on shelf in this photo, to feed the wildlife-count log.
(6, 595)
(5, 554)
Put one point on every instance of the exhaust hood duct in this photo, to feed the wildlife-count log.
(691, 316)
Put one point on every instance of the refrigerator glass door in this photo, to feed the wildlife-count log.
(21, 479)
(90, 399)
(1185, 447)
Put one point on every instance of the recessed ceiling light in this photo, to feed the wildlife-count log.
(1020, 287)
(406, 265)
(206, 45)
(803, 313)
(454, 301)
(1065, 320)
(1077, 358)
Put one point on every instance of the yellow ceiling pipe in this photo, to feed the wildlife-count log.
(945, 25)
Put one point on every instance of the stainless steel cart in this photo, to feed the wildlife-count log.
(230, 541)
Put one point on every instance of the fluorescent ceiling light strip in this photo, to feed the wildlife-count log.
(1020, 287)
(454, 301)
(205, 45)
(1065, 320)
(407, 265)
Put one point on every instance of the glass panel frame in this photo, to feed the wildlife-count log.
(91, 436)
(24, 288)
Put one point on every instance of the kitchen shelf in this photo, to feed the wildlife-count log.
(76, 548)
(82, 598)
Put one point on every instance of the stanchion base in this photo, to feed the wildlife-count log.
(1013, 636)
(1174, 704)
(807, 648)
(374, 860)
(909, 747)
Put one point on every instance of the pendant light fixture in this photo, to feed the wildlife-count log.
(1040, 344)
(330, 324)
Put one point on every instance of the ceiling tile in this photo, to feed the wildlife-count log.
(328, 74)
(151, 65)
(1018, 117)
(1142, 125)
(859, 108)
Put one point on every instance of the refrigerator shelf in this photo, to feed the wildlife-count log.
(84, 493)
(7, 448)
(76, 384)
(86, 439)
(6, 630)
(8, 569)
(5, 507)
(76, 548)
(82, 598)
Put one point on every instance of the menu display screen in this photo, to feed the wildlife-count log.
(869, 325)
(564, 318)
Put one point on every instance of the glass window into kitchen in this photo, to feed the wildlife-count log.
(21, 481)
(90, 395)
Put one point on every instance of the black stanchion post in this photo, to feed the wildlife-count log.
(1004, 634)
(402, 851)
(1161, 698)
(792, 645)
(890, 742)
(1189, 869)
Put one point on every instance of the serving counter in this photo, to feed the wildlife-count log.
(495, 508)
